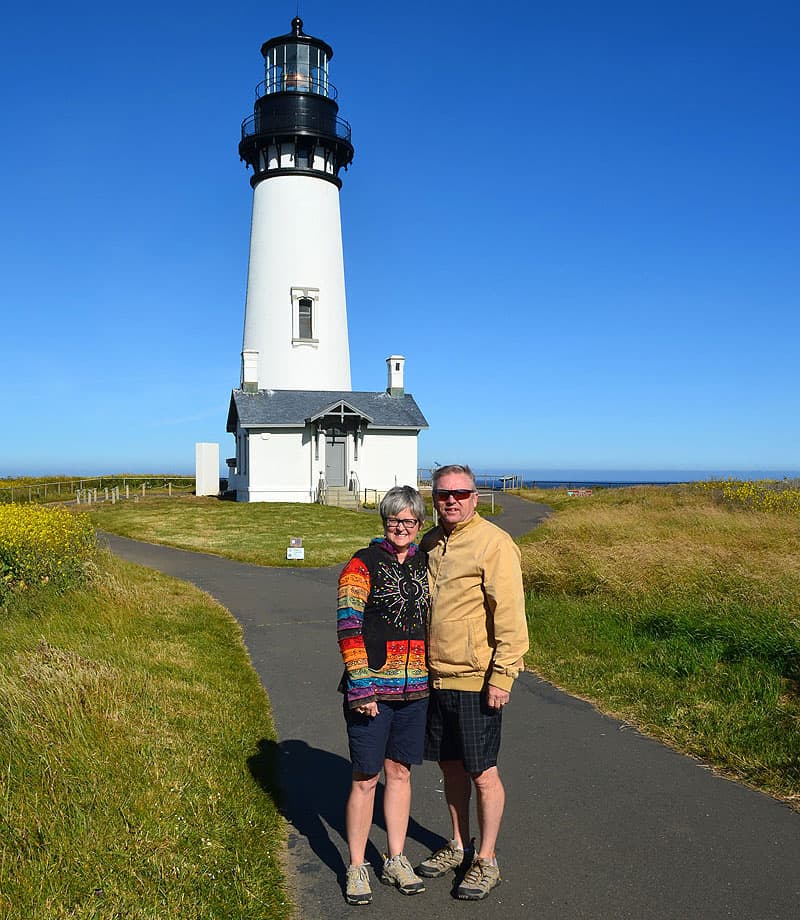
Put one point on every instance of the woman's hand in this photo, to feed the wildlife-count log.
(368, 709)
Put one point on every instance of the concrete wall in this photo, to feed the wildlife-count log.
(387, 458)
(279, 466)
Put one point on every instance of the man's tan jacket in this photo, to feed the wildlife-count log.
(477, 628)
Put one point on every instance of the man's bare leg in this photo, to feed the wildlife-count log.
(457, 793)
(491, 802)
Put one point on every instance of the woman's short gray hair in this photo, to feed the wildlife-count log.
(399, 498)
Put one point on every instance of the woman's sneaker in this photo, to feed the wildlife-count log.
(481, 877)
(397, 871)
(358, 890)
(442, 861)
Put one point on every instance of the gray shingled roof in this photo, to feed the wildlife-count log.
(290, 408)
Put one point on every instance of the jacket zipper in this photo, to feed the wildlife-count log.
(408, 636)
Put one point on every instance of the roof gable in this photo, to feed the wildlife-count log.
(339, 407)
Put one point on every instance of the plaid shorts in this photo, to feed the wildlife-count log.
(462, 727)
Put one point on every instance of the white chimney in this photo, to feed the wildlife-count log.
(394, 365)
(250, 370)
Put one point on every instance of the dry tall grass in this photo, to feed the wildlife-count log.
(676, 541)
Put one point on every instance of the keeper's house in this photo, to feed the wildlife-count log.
(315, 445)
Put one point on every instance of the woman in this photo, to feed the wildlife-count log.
(381, 623)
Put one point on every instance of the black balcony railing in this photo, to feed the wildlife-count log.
(295, 123)
(296, 83)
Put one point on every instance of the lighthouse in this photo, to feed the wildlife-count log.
(295, 327)
(301, 433)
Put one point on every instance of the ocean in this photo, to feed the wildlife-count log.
(588, 478)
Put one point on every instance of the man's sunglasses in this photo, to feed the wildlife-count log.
(459, 495)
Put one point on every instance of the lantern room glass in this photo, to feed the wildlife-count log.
(296, 67)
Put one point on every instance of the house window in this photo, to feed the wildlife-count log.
(305, 303)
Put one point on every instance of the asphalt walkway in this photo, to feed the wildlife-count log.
(601, 822)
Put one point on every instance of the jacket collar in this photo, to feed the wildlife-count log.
(390, 549)
(461, 525)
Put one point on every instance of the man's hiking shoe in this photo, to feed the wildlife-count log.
(397, 871)
(481, 877)
(358, 890)
(442, 861)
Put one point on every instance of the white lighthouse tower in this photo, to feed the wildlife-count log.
(301, 433)
(295, 327)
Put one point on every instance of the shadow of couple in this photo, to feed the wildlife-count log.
(310, 787)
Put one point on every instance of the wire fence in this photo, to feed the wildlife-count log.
(502, 482)
(94, 488)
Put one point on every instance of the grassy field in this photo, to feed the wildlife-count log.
(135, 738)
(676, 608)
(250, 532)
(255, 532)
(134, 781)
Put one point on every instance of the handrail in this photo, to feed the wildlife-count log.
(296, 83)
(501, 482)
(322, 491)
(355, 487)
(295, 124)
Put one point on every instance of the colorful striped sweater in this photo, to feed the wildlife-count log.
(381, 621)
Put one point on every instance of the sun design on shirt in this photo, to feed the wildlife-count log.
(402, 596)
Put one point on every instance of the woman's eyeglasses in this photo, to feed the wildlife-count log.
(459, 495)
(408, 523)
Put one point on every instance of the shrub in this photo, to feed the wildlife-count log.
(756, 495)
(41, 545)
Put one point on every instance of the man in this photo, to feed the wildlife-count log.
(477, 637)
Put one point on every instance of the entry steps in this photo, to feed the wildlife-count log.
(342, 497)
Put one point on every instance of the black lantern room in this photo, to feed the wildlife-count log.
(295, 126)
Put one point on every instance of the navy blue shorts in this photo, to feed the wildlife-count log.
(462, 727)
(397, 732)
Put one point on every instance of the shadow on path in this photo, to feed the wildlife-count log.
(310, 787)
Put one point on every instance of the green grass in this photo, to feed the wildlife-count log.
(132, 775)
(713, 696)
(678, 613)
(256, 532)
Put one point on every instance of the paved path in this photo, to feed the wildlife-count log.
(601, 822)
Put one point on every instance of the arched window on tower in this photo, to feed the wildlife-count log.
(304, 320)
(305, 315)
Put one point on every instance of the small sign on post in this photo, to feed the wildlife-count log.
(295, 548)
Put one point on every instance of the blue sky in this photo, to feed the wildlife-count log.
(580, 222)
